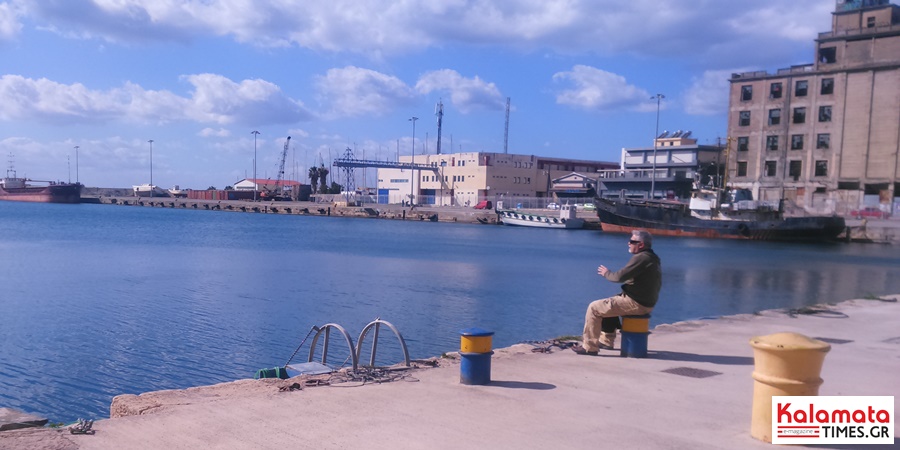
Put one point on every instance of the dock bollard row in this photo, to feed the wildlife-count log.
(635, 334)
(475, 356)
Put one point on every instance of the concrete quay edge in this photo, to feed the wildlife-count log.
(554, 399)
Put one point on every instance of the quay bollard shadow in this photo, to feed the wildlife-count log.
(536, 386)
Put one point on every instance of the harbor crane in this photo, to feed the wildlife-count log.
(278, 192)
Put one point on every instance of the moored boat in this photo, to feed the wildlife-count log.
(565, 220)
(149, 190)
(739, 218)
(27, 190)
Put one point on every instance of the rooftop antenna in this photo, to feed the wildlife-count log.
(506, 130)
(439, 112)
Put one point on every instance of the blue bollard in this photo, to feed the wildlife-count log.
(475, 356)
(635, 333)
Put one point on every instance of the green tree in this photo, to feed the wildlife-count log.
(323, 179)
(313, 178)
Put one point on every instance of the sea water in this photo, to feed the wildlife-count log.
(101, 300)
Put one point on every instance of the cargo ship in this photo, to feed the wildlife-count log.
(739, 217)
(26, 190)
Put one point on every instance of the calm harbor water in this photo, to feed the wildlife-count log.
(102, 300)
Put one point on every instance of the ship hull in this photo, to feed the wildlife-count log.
(676, 220)
(57, 193)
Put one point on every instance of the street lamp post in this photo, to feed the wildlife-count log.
(151, 167)
(76, 164)
(255, 185)
(412, 171)
(658, 97)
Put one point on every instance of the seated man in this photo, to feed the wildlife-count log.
(642, 278)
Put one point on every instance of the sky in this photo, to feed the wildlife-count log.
(197, 77)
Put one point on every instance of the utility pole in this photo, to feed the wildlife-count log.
(151, 167)
(255, 184)
(658, 97)
(76, 164)
(412, 171)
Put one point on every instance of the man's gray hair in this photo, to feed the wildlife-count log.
(643, 236)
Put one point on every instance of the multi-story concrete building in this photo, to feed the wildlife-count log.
(825, 136)
(467, 178)
(669, 169)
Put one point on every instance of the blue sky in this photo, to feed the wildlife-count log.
(198, 76)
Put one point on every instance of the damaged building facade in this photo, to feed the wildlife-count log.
(825, 136)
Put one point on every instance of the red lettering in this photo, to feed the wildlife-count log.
(822, 416)
(782, 410)
(883, 416)
(840, 416)
(859, 416)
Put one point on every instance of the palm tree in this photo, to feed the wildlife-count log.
(323, 177)
(313, 178)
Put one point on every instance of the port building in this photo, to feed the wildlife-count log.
(467, 178)
(825, 136)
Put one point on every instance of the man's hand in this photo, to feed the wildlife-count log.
(602, 271)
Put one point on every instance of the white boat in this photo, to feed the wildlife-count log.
(566, 218)
(177, 192)
(149, 190)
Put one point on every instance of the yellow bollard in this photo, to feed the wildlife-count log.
(784, 364)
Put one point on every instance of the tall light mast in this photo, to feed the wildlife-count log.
(506, 130)
(439, 112)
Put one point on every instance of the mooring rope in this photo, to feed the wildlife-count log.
(314, 328)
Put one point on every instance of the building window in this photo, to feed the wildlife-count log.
(825, 114)
(828, 55)
(744, 119)
(771, 142)
(746, 93)
(821, 168)
(827, 86)
(775, 90)
(774, 116)
(743, 144)
(823, 141)
(771, 168)
(799, 115)
(870, 22)
(800, 88)
(794, 169)
(742, 169)
(797, 142)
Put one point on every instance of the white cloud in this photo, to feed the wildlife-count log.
(598, 90)
(708, 94)
(210, 132)
(353, 91)
(466, 94)
(215, 99)
(9, 22)
(720, 30)
(218, 99)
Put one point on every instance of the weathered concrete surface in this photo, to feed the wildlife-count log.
(535, 400)
(11, 419)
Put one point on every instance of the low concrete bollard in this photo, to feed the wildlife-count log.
(784, 364)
